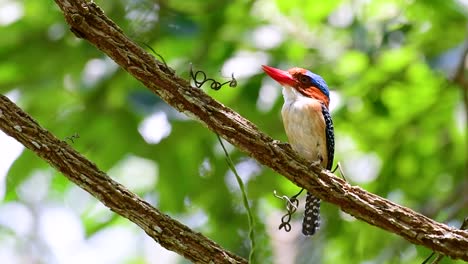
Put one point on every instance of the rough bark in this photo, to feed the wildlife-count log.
(168, 232)
(89, 22)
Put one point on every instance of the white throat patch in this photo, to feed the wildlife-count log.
(291, 95)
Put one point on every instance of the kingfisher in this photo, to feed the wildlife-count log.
(308, 126)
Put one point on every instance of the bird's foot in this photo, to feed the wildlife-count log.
(316, 163)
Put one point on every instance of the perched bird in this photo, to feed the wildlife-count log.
(308, 125)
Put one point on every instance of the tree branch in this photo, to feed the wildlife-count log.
(169, 233)
(89, 22)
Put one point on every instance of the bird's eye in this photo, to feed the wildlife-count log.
(304, 79)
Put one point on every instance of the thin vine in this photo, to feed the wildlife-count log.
(215, 85)
(244, 200)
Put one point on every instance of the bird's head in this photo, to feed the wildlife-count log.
(303, 81)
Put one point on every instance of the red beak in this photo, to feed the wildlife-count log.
(283, 77)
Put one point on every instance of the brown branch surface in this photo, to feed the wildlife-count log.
(169, 233)
(89, 22)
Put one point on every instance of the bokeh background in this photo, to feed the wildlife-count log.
(400, 121)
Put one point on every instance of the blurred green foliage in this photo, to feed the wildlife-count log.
(400, 120)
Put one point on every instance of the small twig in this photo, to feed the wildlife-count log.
(338, 167)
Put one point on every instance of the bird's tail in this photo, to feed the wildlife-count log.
(311, 221)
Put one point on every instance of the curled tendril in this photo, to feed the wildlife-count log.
(73, 137)
(291, 207)
(200, 78)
